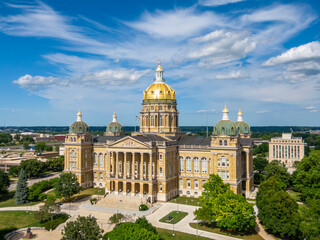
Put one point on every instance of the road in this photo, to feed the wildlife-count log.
(32, 181)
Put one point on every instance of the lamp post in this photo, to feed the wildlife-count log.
(177, 204)
(197, 223)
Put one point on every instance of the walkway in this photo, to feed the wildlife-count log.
(260, 229)
(183, 225)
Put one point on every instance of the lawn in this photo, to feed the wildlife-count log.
(252, 236)
(7, 200)
(83, 194)
(176, 217)
(186, 200)
(295, 195)
(167, 234)
(18, 219)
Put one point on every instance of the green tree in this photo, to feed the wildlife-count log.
(26, 138)
(143, 222)
(117, 218)
(55, 164)
(130, 231)
(67, 185)
(47, 211)
(260, 163)
(14, 171)
(263, 148)
(306, 179)
(225, 208)
(278, 212)
(280, 172)
(4, 182)
(26, 145)
(33, 167)
(310, 215)
(22, 190)
(84, 228)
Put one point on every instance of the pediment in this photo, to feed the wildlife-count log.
(129, 142)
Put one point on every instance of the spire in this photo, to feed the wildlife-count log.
(114, 117)
(240, 119)
(79, 116)
(159, 72)
(225, 113)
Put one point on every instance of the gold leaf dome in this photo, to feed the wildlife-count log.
(159, 92)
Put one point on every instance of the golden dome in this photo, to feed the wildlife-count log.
(159, 91)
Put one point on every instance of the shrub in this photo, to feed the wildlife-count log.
(93, 201)
(57, 220)
(143, 207)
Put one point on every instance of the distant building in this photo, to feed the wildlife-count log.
(286, 149)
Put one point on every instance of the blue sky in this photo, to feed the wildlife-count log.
(57, 55)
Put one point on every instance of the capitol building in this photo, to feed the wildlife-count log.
(159, 162)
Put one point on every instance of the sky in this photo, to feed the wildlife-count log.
(57, 56)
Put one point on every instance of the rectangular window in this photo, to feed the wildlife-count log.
(101, 160)
(181, 183)
(95, 175)
(181, 163)
(160, 156)
(188, 183)
(227, 162)
(204, 165)
(188, 164)
(95, 159)
(101, 176)
(196, 165)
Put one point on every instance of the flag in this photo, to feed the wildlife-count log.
(137, 118)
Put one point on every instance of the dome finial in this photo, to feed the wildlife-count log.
(159, 73)
(114, 117)
(240, 119)
(79, 116)
(225, 112)
(159, 62)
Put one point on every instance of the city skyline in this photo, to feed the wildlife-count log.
(57, 57)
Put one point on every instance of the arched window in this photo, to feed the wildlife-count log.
(222, 130)
(188, 160)
(188, 183)
(181, 164)
(152, 121)
(223, 161)
(204, 165)
(71, 139)
(225, 142)
(160, 187)
(220, 142)
(232, 130)
(95, 159)
(160, 171)
(196, 164)
(101, 159)
(160, 120)
(196, 183)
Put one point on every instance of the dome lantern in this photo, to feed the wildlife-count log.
(79, 126)
(79, 116)
(242, 126)
(159, 73)
(225, 115)
(240, 119)
(114, 128)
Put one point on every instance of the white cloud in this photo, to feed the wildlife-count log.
(314, 110)
(206, 111)
(263, 111)
(177, 23)
(209, 3)
(310, 107)
(306, 52)
(221, 46)
(232, 75)
(104, 79)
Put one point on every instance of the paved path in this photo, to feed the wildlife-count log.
(183, 225)
(32, 181)
(260, 229)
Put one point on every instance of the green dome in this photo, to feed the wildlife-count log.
(114, 127)
(79, 127)
(226, 127)
(243, 127)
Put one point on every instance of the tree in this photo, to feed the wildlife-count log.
(260, 163)
(47, 211)
(261, 149)
(26, 145)
(67, 185)
(278, 212)
(22, 190)
(280, 172)
(130, 231)
(55, 164)
(117, 218)
(310, 215)
(143, 222)
(222, 206)
(307, 177)
(14, 171)
(4, 182)
(33, 167)
(84, 228)
(26, 138)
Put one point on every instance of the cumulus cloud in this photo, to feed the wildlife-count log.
(177, 23)
(104, 79)
(232, 75)
(221, 46)
(209, 3)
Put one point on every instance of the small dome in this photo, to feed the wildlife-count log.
(243, 127)
(114, 127)
(79, 126)
(226, 127)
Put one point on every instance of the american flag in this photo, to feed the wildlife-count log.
(137, 118)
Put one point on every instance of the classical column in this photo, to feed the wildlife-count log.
(141, 188)
(124, 165)
(116, 166)
(124, 187)
(108, 164)
(133, 159)
(133, 188)
(141, 166)
(150, 161)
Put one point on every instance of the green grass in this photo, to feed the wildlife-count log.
(176, 215)
(83, 194)
(248, 236)
(295, 195)
(186, 200)
(17, 219)
(7, 200)
(167, 235)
